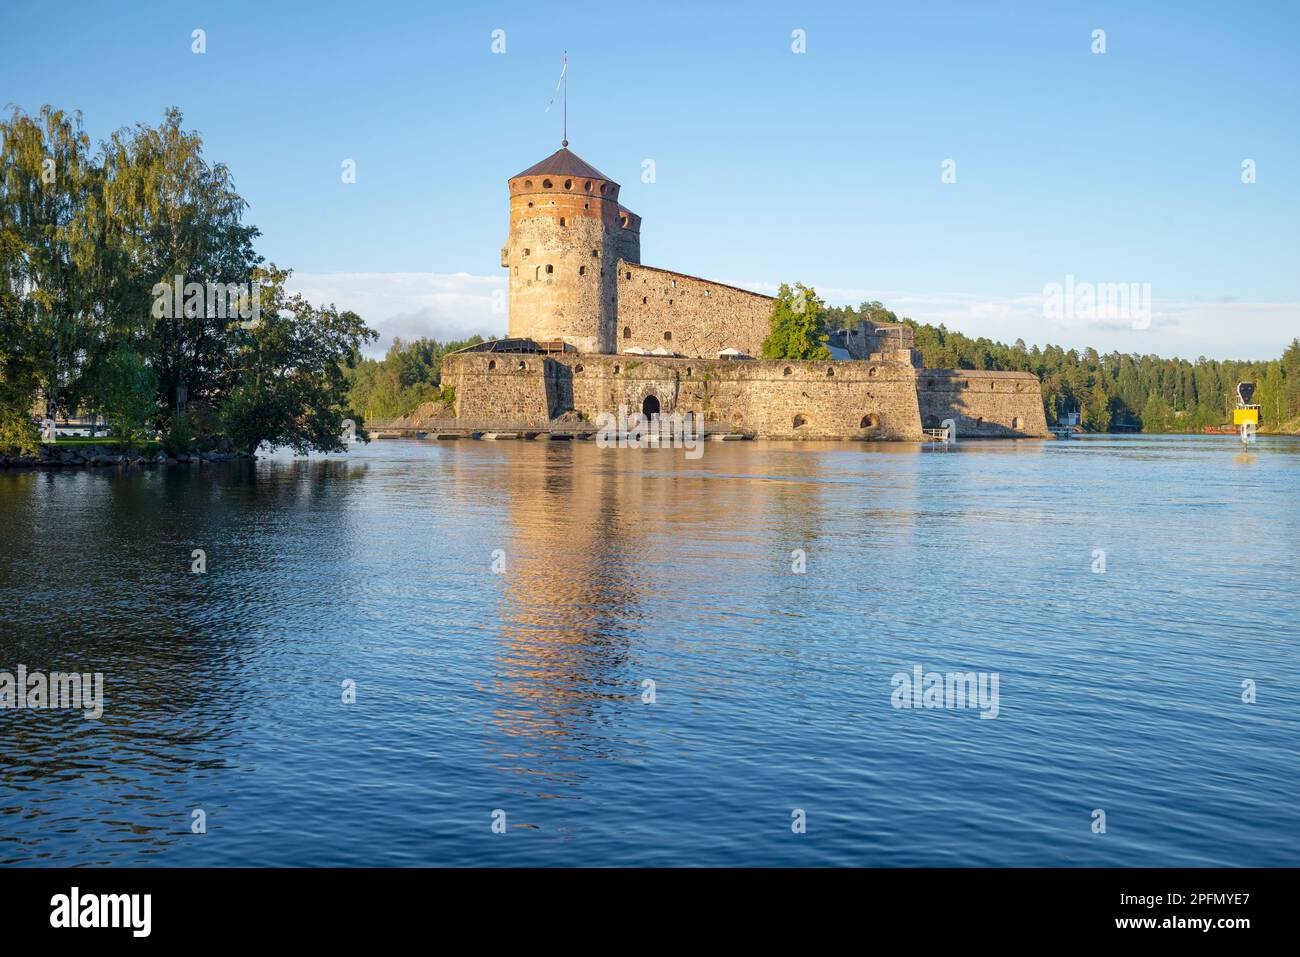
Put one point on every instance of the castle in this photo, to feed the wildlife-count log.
(591, 330)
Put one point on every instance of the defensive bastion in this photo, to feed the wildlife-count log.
(593, 330)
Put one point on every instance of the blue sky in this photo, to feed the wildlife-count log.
(771, 166)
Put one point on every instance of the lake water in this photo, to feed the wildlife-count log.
(1118, 690)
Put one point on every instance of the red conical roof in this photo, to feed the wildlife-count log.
(564, 162)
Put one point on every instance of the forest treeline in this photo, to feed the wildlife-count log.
(1113, 390)
(409, 374)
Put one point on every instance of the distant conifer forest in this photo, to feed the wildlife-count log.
(1115, 391)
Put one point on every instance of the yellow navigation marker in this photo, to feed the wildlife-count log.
(1246, 414)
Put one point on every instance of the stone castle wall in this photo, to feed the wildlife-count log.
(792, 400)
(868, 340)
(983, 404)
(504, 387)
(687, 315)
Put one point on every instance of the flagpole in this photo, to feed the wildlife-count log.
(564, 82)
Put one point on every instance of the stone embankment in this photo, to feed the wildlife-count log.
(110, 456)
(425, 415)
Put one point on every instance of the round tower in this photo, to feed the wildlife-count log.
(567, 234)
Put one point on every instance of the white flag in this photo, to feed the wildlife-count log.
(563, 70)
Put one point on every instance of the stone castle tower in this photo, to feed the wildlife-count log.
(659, 341)
(567, 236)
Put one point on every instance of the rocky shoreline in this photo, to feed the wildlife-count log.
(108, 456)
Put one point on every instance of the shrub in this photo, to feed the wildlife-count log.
(179, 436)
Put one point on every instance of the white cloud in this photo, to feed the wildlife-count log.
(1225, 328)
(408, 305)
(456, 305)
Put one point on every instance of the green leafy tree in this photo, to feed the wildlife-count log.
(167, 213)
(18, 381)
(798, 325)
(17, 376)
(408, 375)
(1290, 390)
(292, 386)
(47, 186)
(124, 391)
(90, 251)
(1272, 396)
(1154, 415)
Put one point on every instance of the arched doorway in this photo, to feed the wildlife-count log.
(650, 406)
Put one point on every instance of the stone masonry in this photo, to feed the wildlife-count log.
(793, 400)
(580, 299)
(690, 316)
(983, 404)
